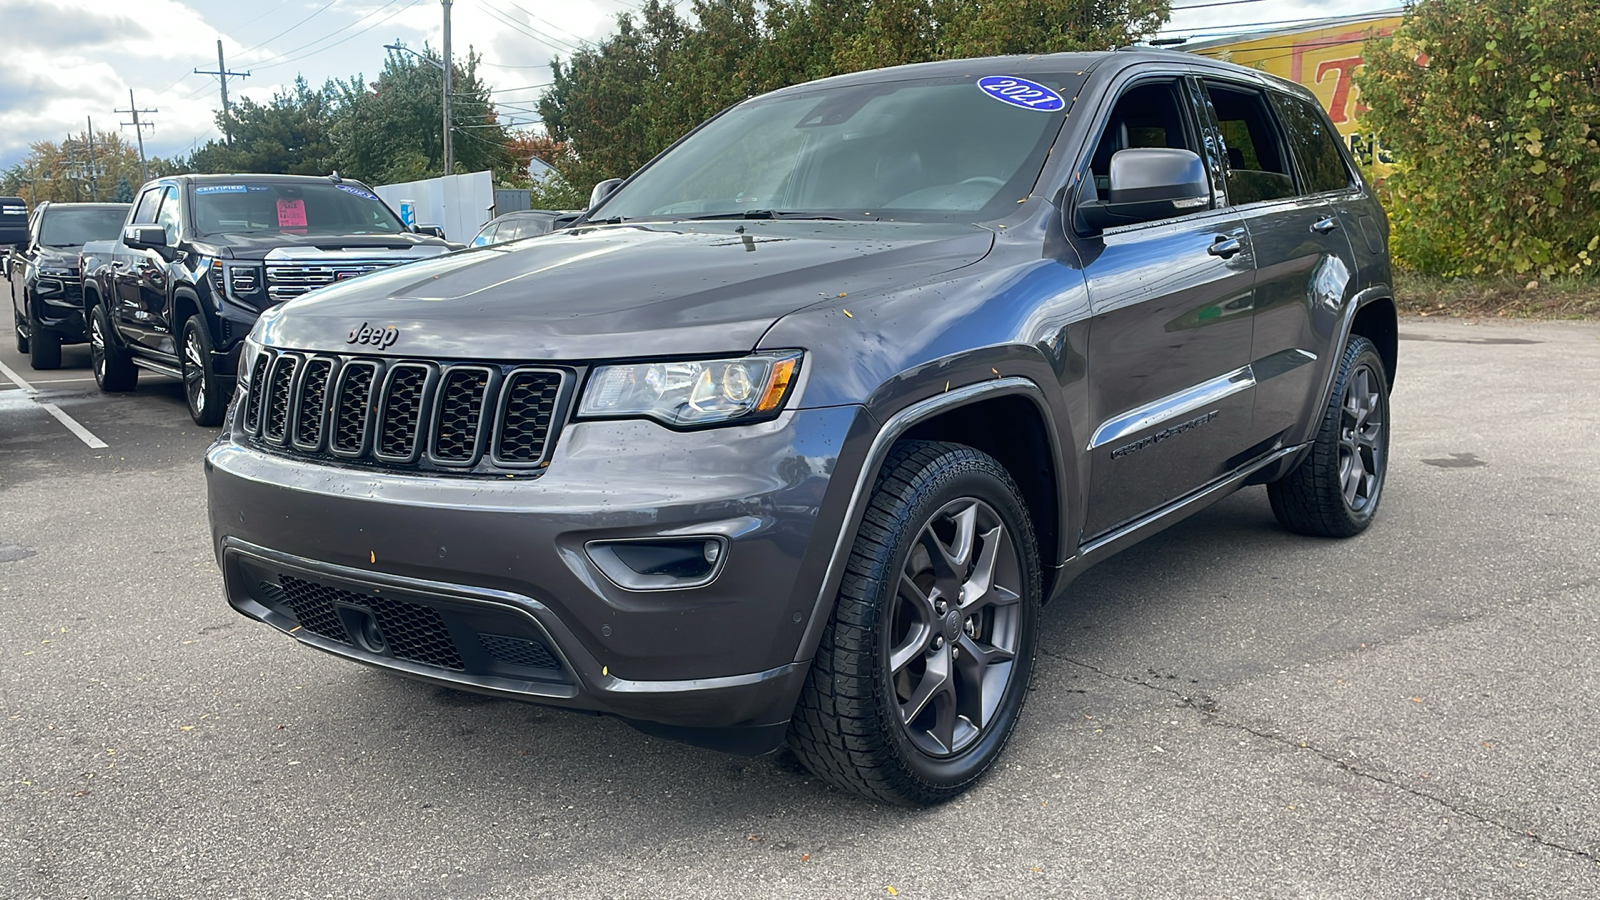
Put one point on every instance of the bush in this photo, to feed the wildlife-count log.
(1490, 109)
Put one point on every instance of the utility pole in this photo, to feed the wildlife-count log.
(94, 181)
(449, 155)
(223, 75)
(138, 129)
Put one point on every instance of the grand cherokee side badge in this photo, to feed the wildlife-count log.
(382, 338)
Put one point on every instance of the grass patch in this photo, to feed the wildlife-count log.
(1506, 298)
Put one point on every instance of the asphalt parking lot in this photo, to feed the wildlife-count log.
(1223, 711)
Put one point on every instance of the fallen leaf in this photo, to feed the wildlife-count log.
(1416, 699)
(847, 312)
(805, 857)
(373, 554)
(891, 890)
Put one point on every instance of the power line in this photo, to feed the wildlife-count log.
(319, 11)
(511, 22)
(281, 58)
(545, 22)
(343, 39)
(138, 129)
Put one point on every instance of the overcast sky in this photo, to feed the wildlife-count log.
(65, 60)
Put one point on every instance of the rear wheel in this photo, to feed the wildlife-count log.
(1334, 490)
(114, 371)
(921, 673)
(201, 387)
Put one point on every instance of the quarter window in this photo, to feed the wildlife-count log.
(1322, 165)
(1258, 164)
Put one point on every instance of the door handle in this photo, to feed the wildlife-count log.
(1224, 246)
(1323, 226)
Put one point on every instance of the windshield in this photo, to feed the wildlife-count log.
(932, 148)
(246, 208)
(67, 227)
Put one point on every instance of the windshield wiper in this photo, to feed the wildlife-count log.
(763, 214)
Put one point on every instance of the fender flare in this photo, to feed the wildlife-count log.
(895, 426)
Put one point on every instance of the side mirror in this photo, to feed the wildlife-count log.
(145, 237)
(430, 230)
(603, 190)
(1146, 184)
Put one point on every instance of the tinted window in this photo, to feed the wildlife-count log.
(1258, 166)
(486, 236)
(68, 227)
(1316, 144)
(1148, 115)
(930, 148)
(307, 208)
(146, 213)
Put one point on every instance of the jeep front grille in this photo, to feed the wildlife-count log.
(406, 414)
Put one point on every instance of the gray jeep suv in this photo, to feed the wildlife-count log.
(791, 435)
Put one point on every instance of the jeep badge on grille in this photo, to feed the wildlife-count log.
(382, 338)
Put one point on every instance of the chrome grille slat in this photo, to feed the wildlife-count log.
(287, 280)
(406, 414)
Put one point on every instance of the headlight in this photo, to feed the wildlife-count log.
(247, 362)
(692, 393)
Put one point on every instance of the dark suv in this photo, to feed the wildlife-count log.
(46, 293)
(792, 434)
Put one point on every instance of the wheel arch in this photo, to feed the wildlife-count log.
(1377, 321)
(934, 418)
(186, 305)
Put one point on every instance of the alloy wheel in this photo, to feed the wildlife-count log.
(1361, 448)
(954, 627)
(97, 349)
(194, 372)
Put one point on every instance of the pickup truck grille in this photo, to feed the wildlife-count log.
(287, 280)
(406, 414)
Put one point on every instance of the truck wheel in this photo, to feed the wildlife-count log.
(114, 372)
(16, 324)
(921, 673)
(201, 387)
(1335, 488)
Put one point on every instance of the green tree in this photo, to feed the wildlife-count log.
(61, 172)
(123, 192)
(1490, 110)
(620, 102)
(390, 131)
(291, 134)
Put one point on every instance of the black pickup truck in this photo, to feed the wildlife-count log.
(42, 273)
(202, 255)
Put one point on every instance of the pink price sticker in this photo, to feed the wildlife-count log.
(291, 213)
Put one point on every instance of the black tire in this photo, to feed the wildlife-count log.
(44, 349)
(16, 326)
(1320, 496)
(859, 724)
(206, 395)
(114, 370)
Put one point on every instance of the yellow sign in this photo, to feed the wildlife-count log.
(1324, 59)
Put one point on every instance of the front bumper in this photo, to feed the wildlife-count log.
(485, 583)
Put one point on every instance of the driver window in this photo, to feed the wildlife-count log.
(146, 213)
(1148, 115)
(168, 217)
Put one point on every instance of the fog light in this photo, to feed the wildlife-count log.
(659, 564)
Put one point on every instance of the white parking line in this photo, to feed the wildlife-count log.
(82, 433)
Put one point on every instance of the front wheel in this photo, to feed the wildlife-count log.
(114, 371)
(921, 673)
(1334, 490)
(207, 397)
(16, 325)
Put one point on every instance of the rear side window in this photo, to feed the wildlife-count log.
(1258, 163)
(1322, 166)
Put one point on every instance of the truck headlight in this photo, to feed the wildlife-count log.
(700, 392)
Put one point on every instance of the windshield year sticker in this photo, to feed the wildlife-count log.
(1021, 92)
(357, 191)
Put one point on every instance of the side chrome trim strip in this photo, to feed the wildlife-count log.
(899, 424)
(1173, 405)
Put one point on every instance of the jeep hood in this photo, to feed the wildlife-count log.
(623, 290)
